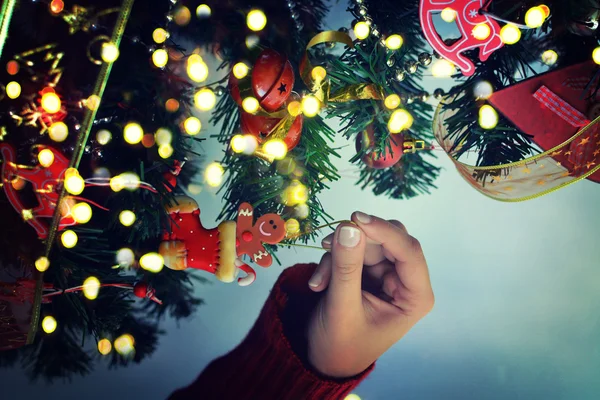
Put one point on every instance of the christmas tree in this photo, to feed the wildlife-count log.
(99, 134)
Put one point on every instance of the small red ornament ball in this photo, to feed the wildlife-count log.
(260, 127)
(366, 141)
(140, 289)
(272, 79)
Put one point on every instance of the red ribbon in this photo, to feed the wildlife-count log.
(581, 150)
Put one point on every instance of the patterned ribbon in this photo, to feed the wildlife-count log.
(581, 151)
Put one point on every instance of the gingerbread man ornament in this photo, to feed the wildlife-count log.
(269, 228)
(219, 250)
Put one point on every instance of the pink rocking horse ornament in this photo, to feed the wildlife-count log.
(468, 16)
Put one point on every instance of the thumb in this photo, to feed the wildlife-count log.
(347, 253)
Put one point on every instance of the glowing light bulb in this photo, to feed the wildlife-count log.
(510, 34)
(250, 144)
(130, 181)
(394, 42)
(448, 15)
(310, 106)
(42, 264)
(362, 30)
(250, 105)
(124, 345)
(12, 67)
(238, 143)
(163, 136)
(82, 213)
(51, 102)
(117, 183)
(352, 396)
(125, 257)
(49, 324)
(483, 90)
(58, 131)
(205, 99)
(276, 148)
(535, 17)
(292, 226)
(109, 52)
(13, 90)
(252, 41)
(550, 57)
(183, 16)
(400, 120)
(318, 73)
(103, 136)
(91, 288)
(56, 6)
(197, 71)
(133, 133)
(545, 9)
(442, 68)
(46, 158)
(488, 117)
(203, 11)
(104, 347)
(481, 31)
(392, 101)
(152, 262)
(69, 239)
(160, 57)
(127, 217)
(256, 20)
(240, 70)
(214, 174)
(160, 35)
(165, 150)
(92, 102)
(295, 194)
(294, 108)
(192, 126)
(74, 184)
(596, 55)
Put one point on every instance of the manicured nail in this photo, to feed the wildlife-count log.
(326, 242)
(349, 236)
(363, 218)
(315, 280)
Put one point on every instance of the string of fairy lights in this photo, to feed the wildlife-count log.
(205, 98)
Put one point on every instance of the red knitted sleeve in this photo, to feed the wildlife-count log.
(271, 361)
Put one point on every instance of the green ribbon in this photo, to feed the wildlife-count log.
(82, 138)
(6, 12)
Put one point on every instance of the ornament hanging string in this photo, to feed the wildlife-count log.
(74, 289)
(297, 236)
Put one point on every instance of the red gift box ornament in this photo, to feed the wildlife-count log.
(468, 17)
(552, 108)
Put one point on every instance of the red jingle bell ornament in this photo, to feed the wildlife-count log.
(366, 142)
(272, 80)
(261, 127)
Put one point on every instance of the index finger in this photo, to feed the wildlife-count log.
(405, 249)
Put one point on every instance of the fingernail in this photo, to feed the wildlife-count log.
(363, 218)
(315, 280)
(326, 242)
(349, 236)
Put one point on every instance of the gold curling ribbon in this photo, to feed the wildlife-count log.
(321, 89)
(519, 181)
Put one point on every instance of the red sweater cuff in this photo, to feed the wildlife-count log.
(271, 361)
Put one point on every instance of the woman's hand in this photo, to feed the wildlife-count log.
(378, 288)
